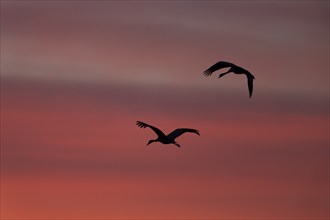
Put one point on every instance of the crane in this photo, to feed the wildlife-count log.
(233, 68)
(166, 139)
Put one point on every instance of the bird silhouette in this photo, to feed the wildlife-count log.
(166, 139)
(233, 68)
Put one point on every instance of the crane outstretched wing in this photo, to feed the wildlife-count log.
(250, 79)
(156, 130)
(177, 132)
(217, 66)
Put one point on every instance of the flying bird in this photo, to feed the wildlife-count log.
(233, 68)
(166, 139)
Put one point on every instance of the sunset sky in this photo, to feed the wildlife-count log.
(77, 75)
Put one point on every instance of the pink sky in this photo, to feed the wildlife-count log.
(75, 76)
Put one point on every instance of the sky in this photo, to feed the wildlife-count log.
(77, 75)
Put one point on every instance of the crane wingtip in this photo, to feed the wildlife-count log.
(207, 72)
(140, 124)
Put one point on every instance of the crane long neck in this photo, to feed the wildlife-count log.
(151, 141)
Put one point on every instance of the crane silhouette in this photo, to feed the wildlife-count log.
(166, 139)
(233, 68)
